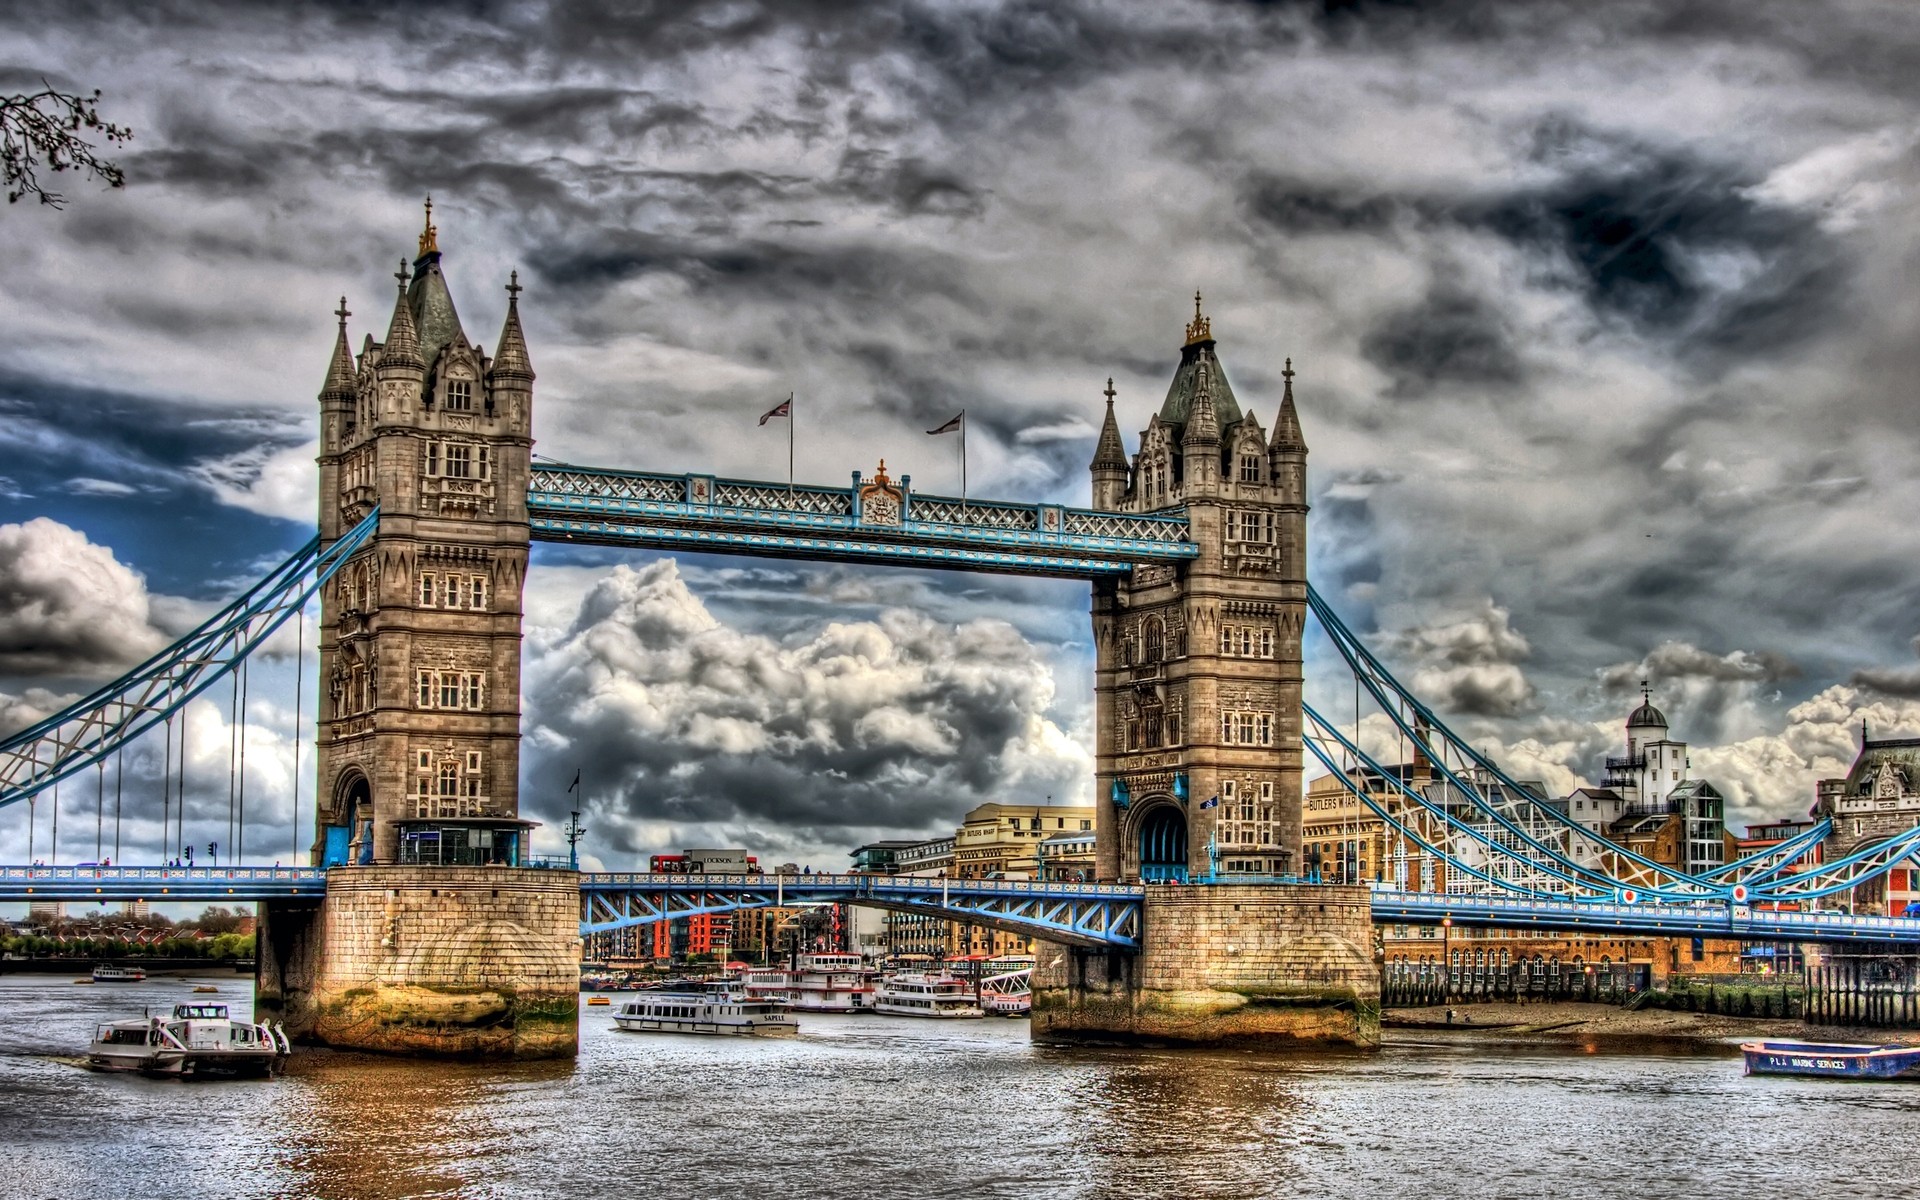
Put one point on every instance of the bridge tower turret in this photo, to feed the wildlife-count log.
(419, 742)
(1197, 689)
(429, 941)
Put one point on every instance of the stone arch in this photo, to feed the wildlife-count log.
(1160, 843)
(347, 821)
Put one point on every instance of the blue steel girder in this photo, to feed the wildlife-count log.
(646, 510)
(1716, 919)
(1100, 916)
(105, 884)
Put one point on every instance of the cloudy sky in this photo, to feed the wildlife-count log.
(1601, 313)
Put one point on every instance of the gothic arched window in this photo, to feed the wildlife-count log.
(1156, 639)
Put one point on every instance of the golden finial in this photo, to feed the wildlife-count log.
(430, 236)
(880, 476)
(1201, 330)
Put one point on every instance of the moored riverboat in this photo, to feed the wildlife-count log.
(815, 983)
(110, 973)
(196, 1041)
(713, 1014)
(1832, 1060)
(917, 994)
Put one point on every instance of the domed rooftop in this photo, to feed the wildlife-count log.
(1646, 714)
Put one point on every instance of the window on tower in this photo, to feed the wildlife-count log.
(459, 461)
(1249, 468)
(460, 395)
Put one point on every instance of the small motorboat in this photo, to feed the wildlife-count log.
(597, 1001)
(109, 973)
(1832, 1060)
(197, 1041)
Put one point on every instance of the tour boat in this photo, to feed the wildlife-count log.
(108, 973)
(1009, 994)
(707, 1013)
(1833, 1060)
(816, 983)
(198, 1041)
(915, 994)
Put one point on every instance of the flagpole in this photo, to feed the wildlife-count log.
(963, 460)
(790, 419)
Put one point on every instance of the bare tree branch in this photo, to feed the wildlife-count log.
(45, 130)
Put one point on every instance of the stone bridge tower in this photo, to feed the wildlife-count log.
(1197, 691)
(434, 937)
(419, 742)
(1197, 695)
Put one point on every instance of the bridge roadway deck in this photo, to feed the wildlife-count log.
(1085, 913)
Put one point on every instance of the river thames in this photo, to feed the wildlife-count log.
(879, 1107)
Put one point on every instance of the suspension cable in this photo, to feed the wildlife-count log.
(54, 856)
(180, 790)
(99, 810)
(166, 793)
(299, 695)
(240, 820)
(233, 757)
(119, 782)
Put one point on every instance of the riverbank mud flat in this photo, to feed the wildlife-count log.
(1590, 1022)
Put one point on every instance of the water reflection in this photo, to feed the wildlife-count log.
(867, 1106)
(360, 1127)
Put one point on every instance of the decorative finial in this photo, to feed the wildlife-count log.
(1109, 393)
(1287, 374)
(513, 287)
(401, 274)
(1201, 330)
(430, 236)
(342, 312)
(1646, 693)
(880, 476)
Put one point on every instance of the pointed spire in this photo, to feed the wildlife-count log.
(1110, 453)
(430, 236)
(339, 385)
(1286, 426)
(510, 359)
(402, 348)
(1203, 424)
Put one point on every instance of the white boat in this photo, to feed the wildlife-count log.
(197, 1041)
(109, 973)
(713, 1013)
(1009, 994)
(915, 994)
(816, 983)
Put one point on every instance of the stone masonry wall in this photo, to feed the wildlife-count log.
(455, 961)
(1247, 963)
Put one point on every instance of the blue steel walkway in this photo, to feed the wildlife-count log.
(868, 521)
(1085, 914)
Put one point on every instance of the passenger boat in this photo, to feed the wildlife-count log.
(1010, 993)
(108, 973)
(197, 1041)
(1833, 1060)
(816, 983)
(916, 994)
(707, 1013)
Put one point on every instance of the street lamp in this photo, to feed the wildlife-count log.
(1446, 959)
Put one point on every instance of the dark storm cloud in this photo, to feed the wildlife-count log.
(1651, 235)
(1599, 308)
(1450, 337)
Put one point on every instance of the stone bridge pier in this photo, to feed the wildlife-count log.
(1256, 964)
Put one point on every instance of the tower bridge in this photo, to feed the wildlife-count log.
(425, 927)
